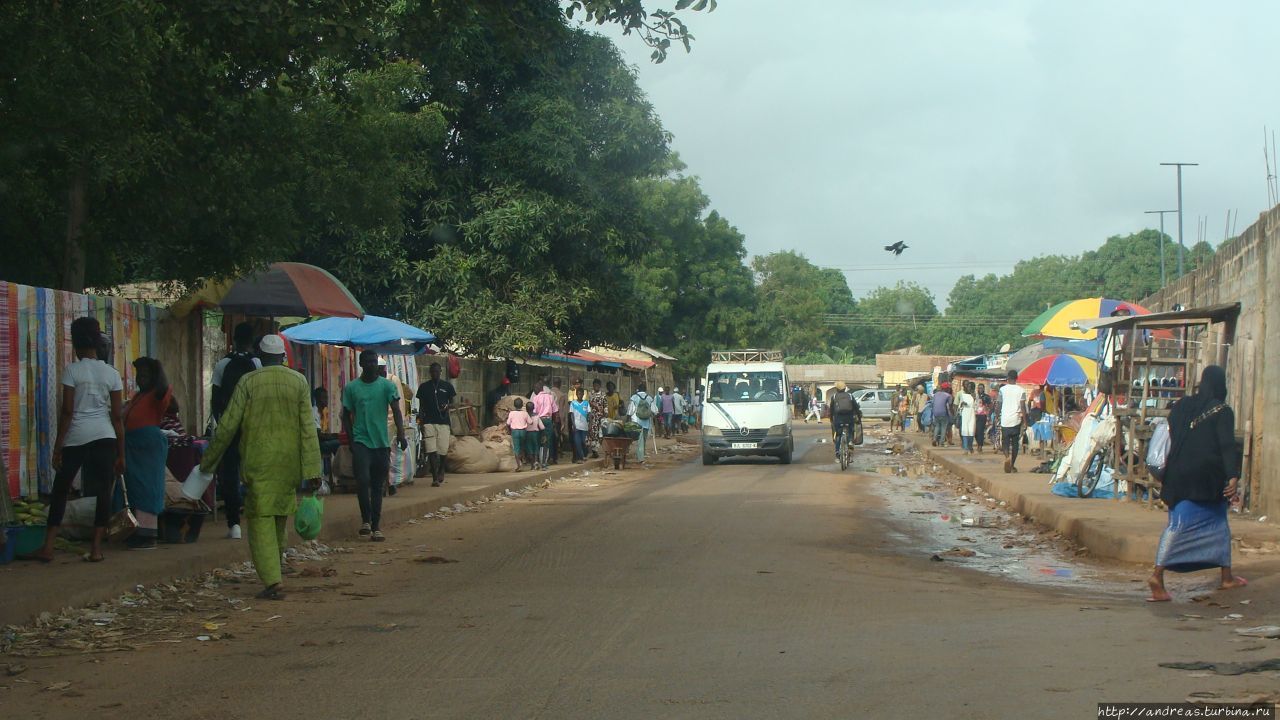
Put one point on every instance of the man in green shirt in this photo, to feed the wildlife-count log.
(364, 418)
(270, 413)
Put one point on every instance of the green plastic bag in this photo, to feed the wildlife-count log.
(307, 520)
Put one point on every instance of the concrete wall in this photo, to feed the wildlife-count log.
(1242, 271)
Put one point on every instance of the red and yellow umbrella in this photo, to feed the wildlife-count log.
(284, 289)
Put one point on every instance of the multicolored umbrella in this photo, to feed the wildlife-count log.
(284, 289)
(1056, 321)
(1060, 370)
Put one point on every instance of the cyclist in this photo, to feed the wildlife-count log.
(844, 410)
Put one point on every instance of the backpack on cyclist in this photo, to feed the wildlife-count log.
(241, 364)
(841, 402)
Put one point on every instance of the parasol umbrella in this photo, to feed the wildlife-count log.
(1056, 321)
(1049, 347)
(283, 289)
(385, 335)
(1060, 370)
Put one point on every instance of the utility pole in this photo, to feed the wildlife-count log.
(1161, 213)
(1181, 247)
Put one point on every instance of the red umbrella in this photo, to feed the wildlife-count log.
(290, 289)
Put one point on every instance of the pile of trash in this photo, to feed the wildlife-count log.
(194, 609)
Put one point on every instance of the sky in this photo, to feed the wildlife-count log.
(978, 132)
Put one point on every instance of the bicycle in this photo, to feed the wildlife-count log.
(845, 442)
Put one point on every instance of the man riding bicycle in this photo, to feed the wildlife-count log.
(844, 411)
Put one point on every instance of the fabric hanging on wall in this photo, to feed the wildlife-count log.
(35, 347)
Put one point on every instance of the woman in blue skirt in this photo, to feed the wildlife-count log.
(1202, 475)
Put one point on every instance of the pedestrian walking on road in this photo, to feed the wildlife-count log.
(667, 404)
(269, 417)
(146, 450)
(941, 407)
(1201, 480)
(919, 402)
(599, 409)
(435, 399)
(642, 409)
(815, 410)
(518, 424)
(365, 401)
(580, 412)
(546, 407)
(226, 373)
(981, 415)
(967, 406)
(1013, 413)
(90, 440)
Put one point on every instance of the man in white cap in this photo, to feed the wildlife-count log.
(279, 451)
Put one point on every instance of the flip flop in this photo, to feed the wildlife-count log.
(90, 558)
(1159, 600)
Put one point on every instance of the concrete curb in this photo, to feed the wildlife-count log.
(28, 589)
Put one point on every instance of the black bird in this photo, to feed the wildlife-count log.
(897, 247)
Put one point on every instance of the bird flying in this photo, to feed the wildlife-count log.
(897, 247)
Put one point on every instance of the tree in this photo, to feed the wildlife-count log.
(794, 298)
(892, 317)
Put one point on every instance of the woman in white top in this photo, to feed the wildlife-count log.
(90, 437)
(967, 406)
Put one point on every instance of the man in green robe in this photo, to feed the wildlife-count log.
(271, 410)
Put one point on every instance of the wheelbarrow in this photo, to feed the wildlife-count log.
(616, 448)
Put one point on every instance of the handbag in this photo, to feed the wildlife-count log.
(123, 523)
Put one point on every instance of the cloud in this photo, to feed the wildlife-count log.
(980, 132)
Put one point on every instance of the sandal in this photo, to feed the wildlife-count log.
(272, 593)
(88, 557)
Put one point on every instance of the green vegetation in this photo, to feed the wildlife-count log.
(485, 168)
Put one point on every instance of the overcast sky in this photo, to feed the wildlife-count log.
(979, 132)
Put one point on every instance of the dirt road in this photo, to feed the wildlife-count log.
(745, 590)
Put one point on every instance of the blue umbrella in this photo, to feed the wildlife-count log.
(374, 333)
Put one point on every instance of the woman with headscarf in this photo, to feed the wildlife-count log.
(146, 448)
(1201, 479)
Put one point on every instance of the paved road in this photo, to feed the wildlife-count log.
(745, 590)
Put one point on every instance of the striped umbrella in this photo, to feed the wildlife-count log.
(1060, 370)
(1056, 321)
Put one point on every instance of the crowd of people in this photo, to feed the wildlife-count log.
(548, 419)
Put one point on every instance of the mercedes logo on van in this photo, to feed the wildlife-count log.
(745, 430)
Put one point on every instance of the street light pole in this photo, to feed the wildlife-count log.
(1180, 165)
(1161, 213)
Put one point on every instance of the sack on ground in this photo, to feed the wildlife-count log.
(494, 434)
(309, 517)
(469, 455)
(501, 449)
(77, 521)
(504, 407)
